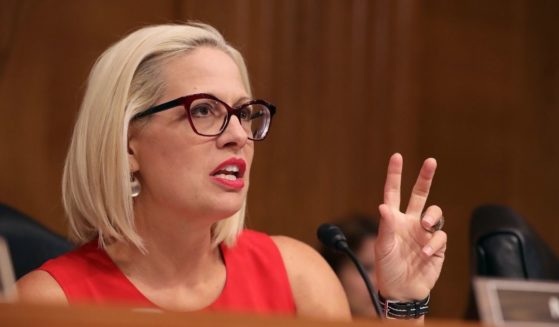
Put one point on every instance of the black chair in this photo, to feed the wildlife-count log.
(30, 243)
(503, 245)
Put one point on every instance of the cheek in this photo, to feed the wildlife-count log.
(171, 160)
(249, 155)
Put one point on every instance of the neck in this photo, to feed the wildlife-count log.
(178, 249)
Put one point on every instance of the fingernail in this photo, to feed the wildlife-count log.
(428, 250)
(430, 221)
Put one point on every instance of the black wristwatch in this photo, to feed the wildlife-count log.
(404, 310)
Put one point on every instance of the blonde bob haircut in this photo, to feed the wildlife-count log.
(125, 80)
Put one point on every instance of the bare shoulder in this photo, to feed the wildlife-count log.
(39, 286)
(316, 289)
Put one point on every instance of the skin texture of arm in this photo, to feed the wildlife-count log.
(316, 289)
(39, 287)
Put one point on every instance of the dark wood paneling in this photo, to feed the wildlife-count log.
(52, 45)
(475, 84)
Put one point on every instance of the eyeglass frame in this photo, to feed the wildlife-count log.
(187, 100)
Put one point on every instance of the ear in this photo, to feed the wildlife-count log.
(132, 148)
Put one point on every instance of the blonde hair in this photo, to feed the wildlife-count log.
(96, 188)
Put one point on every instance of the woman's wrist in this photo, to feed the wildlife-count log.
(408, 309)
(406, 295)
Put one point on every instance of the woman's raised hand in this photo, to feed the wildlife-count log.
(409, 251)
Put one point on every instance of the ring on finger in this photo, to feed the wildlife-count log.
(438, 226)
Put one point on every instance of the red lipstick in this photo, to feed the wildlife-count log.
(230, 173)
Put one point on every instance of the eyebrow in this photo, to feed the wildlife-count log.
(241, 101)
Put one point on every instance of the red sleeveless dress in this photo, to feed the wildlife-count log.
(256, 280)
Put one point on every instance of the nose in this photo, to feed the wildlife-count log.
(234, 134)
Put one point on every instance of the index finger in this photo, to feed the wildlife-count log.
(422, 186)
(393, 182)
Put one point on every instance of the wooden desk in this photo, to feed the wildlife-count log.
(35, 315)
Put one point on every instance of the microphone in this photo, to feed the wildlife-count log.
(333, 237)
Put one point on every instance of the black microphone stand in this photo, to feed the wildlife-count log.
(370, 288)
(333, 237)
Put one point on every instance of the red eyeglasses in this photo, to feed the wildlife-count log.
(209, 116)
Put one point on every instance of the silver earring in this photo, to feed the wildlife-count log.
(136, 187)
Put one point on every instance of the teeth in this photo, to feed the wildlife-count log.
(231, 169)
(227, 176)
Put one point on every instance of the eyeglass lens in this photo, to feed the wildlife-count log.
(209, 117)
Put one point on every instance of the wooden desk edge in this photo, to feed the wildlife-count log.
(45, 315)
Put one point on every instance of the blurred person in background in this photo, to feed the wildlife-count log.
(361, 233)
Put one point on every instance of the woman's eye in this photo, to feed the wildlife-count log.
(256, 114)
(201, 110)
(245, 114)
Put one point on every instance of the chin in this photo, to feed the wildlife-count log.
(230, 211)
(226, 209)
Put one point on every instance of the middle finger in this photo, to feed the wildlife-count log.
(421, 188)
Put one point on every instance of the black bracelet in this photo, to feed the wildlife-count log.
(404, 310)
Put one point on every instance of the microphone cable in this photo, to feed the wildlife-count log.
(332, 236)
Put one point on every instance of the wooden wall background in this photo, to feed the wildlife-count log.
(473, 83)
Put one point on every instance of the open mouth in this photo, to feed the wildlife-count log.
(231, 170)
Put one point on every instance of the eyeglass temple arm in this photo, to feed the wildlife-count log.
(159, 108)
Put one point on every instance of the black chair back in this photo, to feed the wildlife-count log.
(503, 245)
(30, 243)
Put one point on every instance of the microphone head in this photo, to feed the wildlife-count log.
(332, 236)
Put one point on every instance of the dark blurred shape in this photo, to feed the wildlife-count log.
(503, 245)
(332, 237)
(30, 243)
(357, 228)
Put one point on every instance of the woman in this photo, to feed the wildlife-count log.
(155, 187)
(361, 233)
